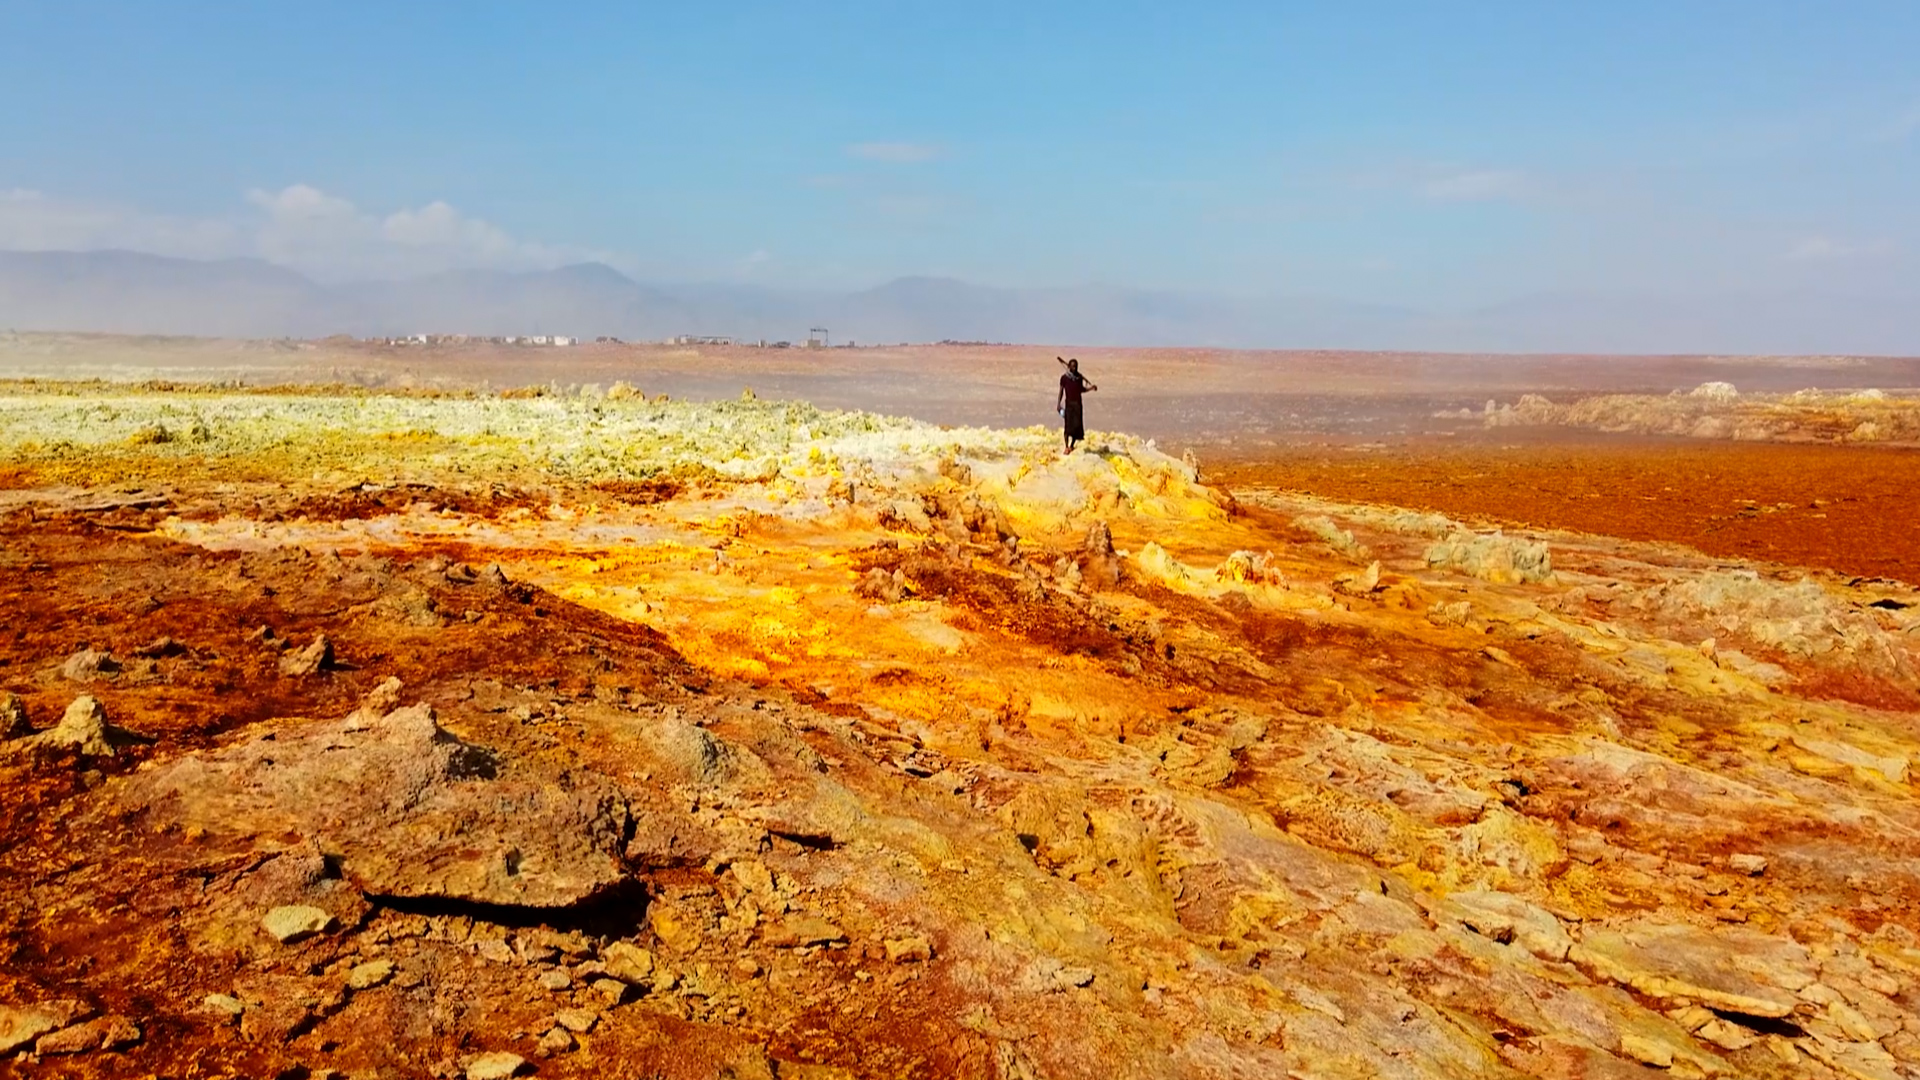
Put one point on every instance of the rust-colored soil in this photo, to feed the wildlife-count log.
(745, 740)
(1855, 510)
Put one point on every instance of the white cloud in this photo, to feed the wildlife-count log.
(895, 153)
(1479, 185)
(298, 226)
(330, 236)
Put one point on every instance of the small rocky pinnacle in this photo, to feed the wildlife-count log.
(314, 657)
(13, 717)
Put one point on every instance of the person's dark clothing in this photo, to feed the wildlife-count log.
(1070, 386)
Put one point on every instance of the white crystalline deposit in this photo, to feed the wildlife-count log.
(1493, 557)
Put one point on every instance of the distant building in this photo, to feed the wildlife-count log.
(560, 340)
(700, 339)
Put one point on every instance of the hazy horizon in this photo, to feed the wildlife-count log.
(127, 292)
(1715, 176)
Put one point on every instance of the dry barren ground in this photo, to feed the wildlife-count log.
(1849, 509)
(368, 736)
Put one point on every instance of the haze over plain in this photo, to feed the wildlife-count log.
(1627, 179)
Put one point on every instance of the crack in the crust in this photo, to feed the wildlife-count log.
(1764, 1025)
(618, 911)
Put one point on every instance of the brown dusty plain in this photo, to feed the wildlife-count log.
(1855, 510)
(363, 734)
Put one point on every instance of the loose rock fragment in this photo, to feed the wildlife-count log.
(370, 974)
(909, 950)
(555, 980)
(556, 1041)
(162, 646)
(22, 1024)
(225, 1006)
(629, 963)
(579, 1021)
(1727, 1036)
(292, 922)
(498, 1065)
(88, 665)
(1747, 864)
(802, 930)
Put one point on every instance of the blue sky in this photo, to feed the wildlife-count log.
(1440, 155)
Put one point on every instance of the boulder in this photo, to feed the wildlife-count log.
(83, 730)
(409, 809)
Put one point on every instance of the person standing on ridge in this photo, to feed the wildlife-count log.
(1072, 385)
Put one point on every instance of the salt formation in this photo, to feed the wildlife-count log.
(1716, 410)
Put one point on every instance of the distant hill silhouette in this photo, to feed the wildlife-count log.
(128, 292)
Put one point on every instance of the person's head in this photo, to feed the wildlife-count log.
(1073, 364)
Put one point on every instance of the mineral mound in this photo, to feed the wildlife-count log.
(360, 735)
(1717, 410)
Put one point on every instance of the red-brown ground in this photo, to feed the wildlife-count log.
(1848, 509)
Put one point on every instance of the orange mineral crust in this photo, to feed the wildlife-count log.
(582, 736)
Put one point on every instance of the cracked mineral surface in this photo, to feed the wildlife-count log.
(364, 735)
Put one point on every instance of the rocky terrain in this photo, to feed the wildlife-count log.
(356, 735)
(1717, 410)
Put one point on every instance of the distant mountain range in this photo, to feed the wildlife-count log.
(128, 292)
